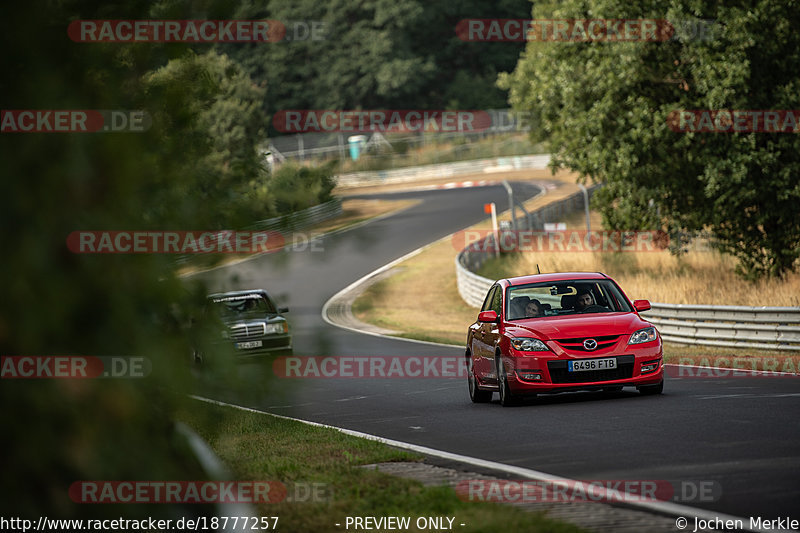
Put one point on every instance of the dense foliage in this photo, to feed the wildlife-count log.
(380, 54)
(605, 108)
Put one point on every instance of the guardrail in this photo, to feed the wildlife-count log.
(445, 170)
(773, 328)
(292, 222)
(301, 219)
(473, 287)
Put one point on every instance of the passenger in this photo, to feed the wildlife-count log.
(518, 305)
(534, 309)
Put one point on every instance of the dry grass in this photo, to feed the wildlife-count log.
(697, 277)
(738, 358)
(701, 276)
(425, 288)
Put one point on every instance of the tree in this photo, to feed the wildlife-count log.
(225, 122)
(383, 54)
(606, 109)
(60, 303)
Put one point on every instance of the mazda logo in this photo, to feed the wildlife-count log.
(590, 344)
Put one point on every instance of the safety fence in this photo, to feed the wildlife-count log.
(445, 170)
(301, 219)
(773, 328)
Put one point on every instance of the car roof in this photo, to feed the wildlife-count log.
(238, 294)
(554, 276)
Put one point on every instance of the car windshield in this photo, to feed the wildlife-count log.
(567, 297)
(234, 307)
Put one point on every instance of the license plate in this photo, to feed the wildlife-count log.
(591, 364)
(249, 344)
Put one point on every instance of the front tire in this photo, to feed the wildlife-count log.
(507, 398)
(475, 394)
(648, 390)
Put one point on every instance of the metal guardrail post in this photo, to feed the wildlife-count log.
(586, 206)
(511, 205)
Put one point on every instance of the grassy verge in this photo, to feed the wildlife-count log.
(738, 358)
(265, 448)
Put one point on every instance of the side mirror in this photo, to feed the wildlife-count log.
(487, 316)
(641, 305)
(283, 309)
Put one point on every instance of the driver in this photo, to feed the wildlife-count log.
(584, 300)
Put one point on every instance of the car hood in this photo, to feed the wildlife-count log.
(249, 319)
(567, 327)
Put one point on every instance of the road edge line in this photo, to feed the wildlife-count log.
(663, 508)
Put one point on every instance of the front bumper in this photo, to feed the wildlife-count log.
(543, 374)
(270, 345)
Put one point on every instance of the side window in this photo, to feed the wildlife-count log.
(487, 303)
(497, 301)
(601, 295)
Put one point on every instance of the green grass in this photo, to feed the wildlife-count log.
(266, 448)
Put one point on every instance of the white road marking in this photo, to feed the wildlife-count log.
(350, 398)
(673, 509)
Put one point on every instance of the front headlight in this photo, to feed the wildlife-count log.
(275, 327)
(643, 335)
(524, 344)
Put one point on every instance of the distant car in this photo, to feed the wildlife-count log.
(248, 323)
(584, 334)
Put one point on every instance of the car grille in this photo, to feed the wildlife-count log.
(244, 332)
(576, 344)
(560, 374)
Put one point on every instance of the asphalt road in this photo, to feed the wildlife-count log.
(736, 434)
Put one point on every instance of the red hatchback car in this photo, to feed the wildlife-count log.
(549, 333)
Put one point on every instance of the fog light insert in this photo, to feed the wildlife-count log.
(528, 375)
(650, 366)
